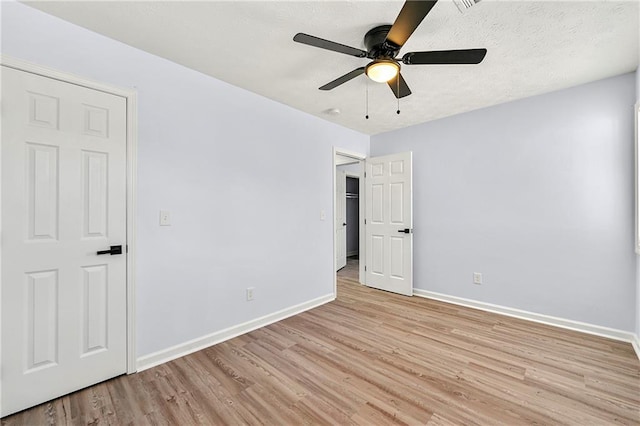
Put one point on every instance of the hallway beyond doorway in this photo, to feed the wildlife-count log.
(352, 270)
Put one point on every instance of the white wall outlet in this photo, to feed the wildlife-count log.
(165, 218)
(323, 215)
(250, 293)
(477, 278)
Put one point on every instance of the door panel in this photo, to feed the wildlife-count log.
(95, 185)
(389, 252)
(94, 309)
(63, 199)
(42, 319)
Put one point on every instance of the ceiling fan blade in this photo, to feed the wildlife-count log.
(399, 91)
(341, 80)
(410, 16)
(464, 56)
(329, 45)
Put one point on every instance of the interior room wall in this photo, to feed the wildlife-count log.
(234, 170)
(537, 195)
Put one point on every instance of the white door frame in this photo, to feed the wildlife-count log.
(132, 146)
(340, 217)
(358, 157)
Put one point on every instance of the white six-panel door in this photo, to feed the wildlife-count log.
(389, 223)
(341, 219)
(63, 199)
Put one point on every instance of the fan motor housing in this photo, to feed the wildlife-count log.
(374, 41)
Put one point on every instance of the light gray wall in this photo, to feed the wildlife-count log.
(235, 171)
(537, 195)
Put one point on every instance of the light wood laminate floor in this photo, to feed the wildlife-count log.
(374, 358)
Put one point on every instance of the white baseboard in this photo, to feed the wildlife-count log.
(636, 345)
(177, 351)
(583, 327)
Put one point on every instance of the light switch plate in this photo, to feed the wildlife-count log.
(165, 218)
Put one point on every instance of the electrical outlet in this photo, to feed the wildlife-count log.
(323, 215)
(250, 293)
(477, 278)
(165, 218)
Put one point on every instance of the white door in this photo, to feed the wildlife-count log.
(63, 200)
(389, 222)
(341, 219)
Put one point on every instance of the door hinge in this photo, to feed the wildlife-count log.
(365, 268)
(365, 221)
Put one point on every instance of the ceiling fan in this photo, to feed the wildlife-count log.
(383, 44)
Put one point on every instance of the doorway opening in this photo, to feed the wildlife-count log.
(349, 247)
(349, 267)
(385, 250)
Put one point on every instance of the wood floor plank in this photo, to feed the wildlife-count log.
(374, 358)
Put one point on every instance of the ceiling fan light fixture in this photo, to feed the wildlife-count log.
(382, 70)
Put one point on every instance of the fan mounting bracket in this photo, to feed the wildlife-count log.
(375, 40)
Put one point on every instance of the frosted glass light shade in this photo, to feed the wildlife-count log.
(382, 70)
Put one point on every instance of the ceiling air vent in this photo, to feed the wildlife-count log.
(463, 5)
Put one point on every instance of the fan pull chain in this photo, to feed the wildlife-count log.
(367, 101)
(398, 91)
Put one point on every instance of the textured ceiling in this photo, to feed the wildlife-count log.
(533, 47)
